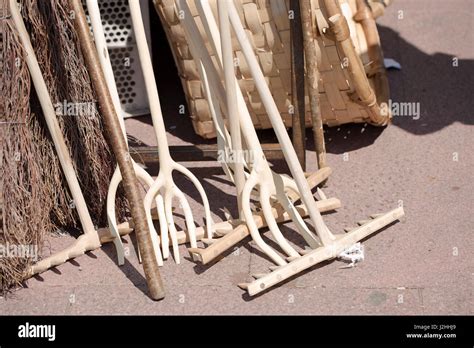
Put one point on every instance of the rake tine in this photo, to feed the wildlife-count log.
(363, 222)
(207, 241)
(321, 193)
(243, 286)
(374, 216)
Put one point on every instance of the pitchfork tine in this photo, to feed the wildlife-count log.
(273, 226)
(207, 209)
(249, 185)
(171, 227)
(188, 215)
(289, 207)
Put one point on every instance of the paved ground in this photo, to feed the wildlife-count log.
(420, 265)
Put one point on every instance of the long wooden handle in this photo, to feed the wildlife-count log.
(312, 72)
(231, 94)
(119, 147)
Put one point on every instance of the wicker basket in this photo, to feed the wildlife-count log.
(267, 24)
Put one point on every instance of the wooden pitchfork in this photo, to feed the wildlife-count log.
(235, 231)
(164, 187)
(142, 175)
(270, 185)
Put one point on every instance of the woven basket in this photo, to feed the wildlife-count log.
(267, 24)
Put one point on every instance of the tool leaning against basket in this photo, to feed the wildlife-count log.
(328, 245)
(270, 185)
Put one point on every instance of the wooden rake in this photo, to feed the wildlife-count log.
(90, 239)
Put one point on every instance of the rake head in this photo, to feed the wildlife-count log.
(339, 248)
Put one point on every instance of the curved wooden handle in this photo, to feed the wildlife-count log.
(366, 94)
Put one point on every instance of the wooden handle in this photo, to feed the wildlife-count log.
(119, 147)
(340, 29)
(242, 231)
(313, 76)
(366, 17)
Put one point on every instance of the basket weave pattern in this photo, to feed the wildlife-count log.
(267, 24)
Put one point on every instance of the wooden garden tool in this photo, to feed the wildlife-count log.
(270, 185)
(366, 95)
(239, 229)
(119, 147)
(164, 185)
(142, 175)
(330, 245)
(312, 73)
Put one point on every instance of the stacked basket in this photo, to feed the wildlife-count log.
(267, 23)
